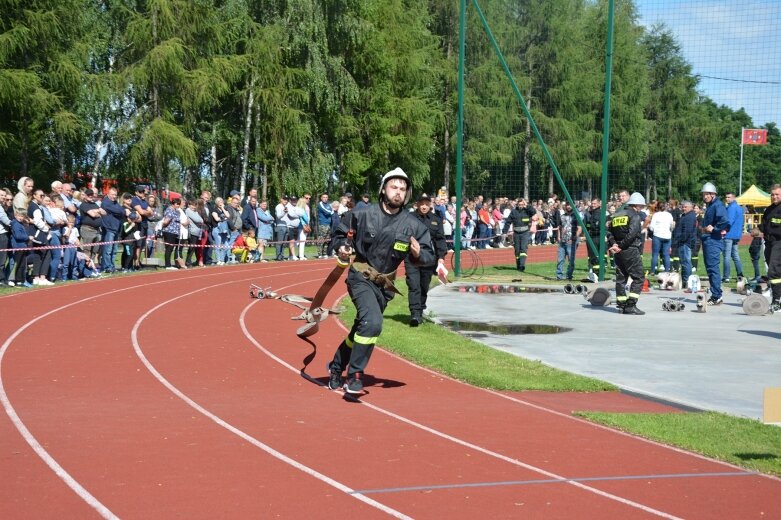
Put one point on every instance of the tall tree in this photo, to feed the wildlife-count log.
(163, 39)
(41, 72)
(629, 130)
(671, 111)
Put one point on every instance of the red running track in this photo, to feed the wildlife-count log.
(175, 395)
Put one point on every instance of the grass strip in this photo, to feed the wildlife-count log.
(467, 360)
(744, 442)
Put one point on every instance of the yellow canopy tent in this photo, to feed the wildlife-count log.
(754, 197)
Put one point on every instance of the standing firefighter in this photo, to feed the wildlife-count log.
(383, 235)
(419, 276)
(625, 239)
(771, 228)
(714, 226)
(520, 219)
(592, 227)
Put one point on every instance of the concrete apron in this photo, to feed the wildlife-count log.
(721, 360)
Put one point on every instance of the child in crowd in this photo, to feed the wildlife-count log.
(252, 245)
(85, 267)
(754, 250)
(70, 238)
(241, 249)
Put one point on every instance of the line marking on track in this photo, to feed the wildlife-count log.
(255, 442)
(464, 443)
(28, 437)
(552, 481)
(562, 414)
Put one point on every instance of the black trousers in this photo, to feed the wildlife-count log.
(418, 282)
(593, 258)
(521, 243)
(128, 254)
(192, 251)
(172, 245)
(773, 259)
(20, 266)
(41, 259)
(370, 302)
(629, 263)
(4, 243)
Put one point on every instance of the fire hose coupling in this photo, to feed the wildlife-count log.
(260, 293)
(575, 289)
(673, 306)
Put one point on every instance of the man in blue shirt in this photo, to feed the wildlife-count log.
(735, 216)
(114, 217)
(714, 227)
(365, 201)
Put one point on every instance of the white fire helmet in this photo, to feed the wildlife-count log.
(708, 187)
(397, 173)
(636, 200)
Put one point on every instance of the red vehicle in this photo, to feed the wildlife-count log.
(84, 180)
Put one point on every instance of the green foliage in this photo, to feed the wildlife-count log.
(327, 95)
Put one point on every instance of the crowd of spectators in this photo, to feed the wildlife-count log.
(61, 234)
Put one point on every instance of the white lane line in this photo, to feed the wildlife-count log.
(255, 442)
(563, 415)
(464, 443)
(28, 437)
(554, 481)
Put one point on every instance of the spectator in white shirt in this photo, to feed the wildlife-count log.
(661, 226)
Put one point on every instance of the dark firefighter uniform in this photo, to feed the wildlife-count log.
(626, 230)
(592, 228)
(380, 242)
(419, 276)
(771, 228)
(520, 219)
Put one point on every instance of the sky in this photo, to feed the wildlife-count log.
(738, 41)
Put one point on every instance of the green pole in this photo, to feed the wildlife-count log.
(533, 125)
(606, 136)
(460, 135)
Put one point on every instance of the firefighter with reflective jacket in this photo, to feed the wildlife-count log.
(520, 218)
(771, 228)
(382, 236)
(625, 238)
(419, 276)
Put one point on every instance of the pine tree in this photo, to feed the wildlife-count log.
(670, 111)
(41, 72)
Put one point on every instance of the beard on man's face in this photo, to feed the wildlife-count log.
(393, 204)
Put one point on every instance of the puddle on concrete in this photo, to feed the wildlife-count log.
(505, 289)
(472, 327)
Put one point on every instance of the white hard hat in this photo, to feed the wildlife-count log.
(396, 173)
(708, 187)
(636, 199)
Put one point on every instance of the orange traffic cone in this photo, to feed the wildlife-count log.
(646, 285)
